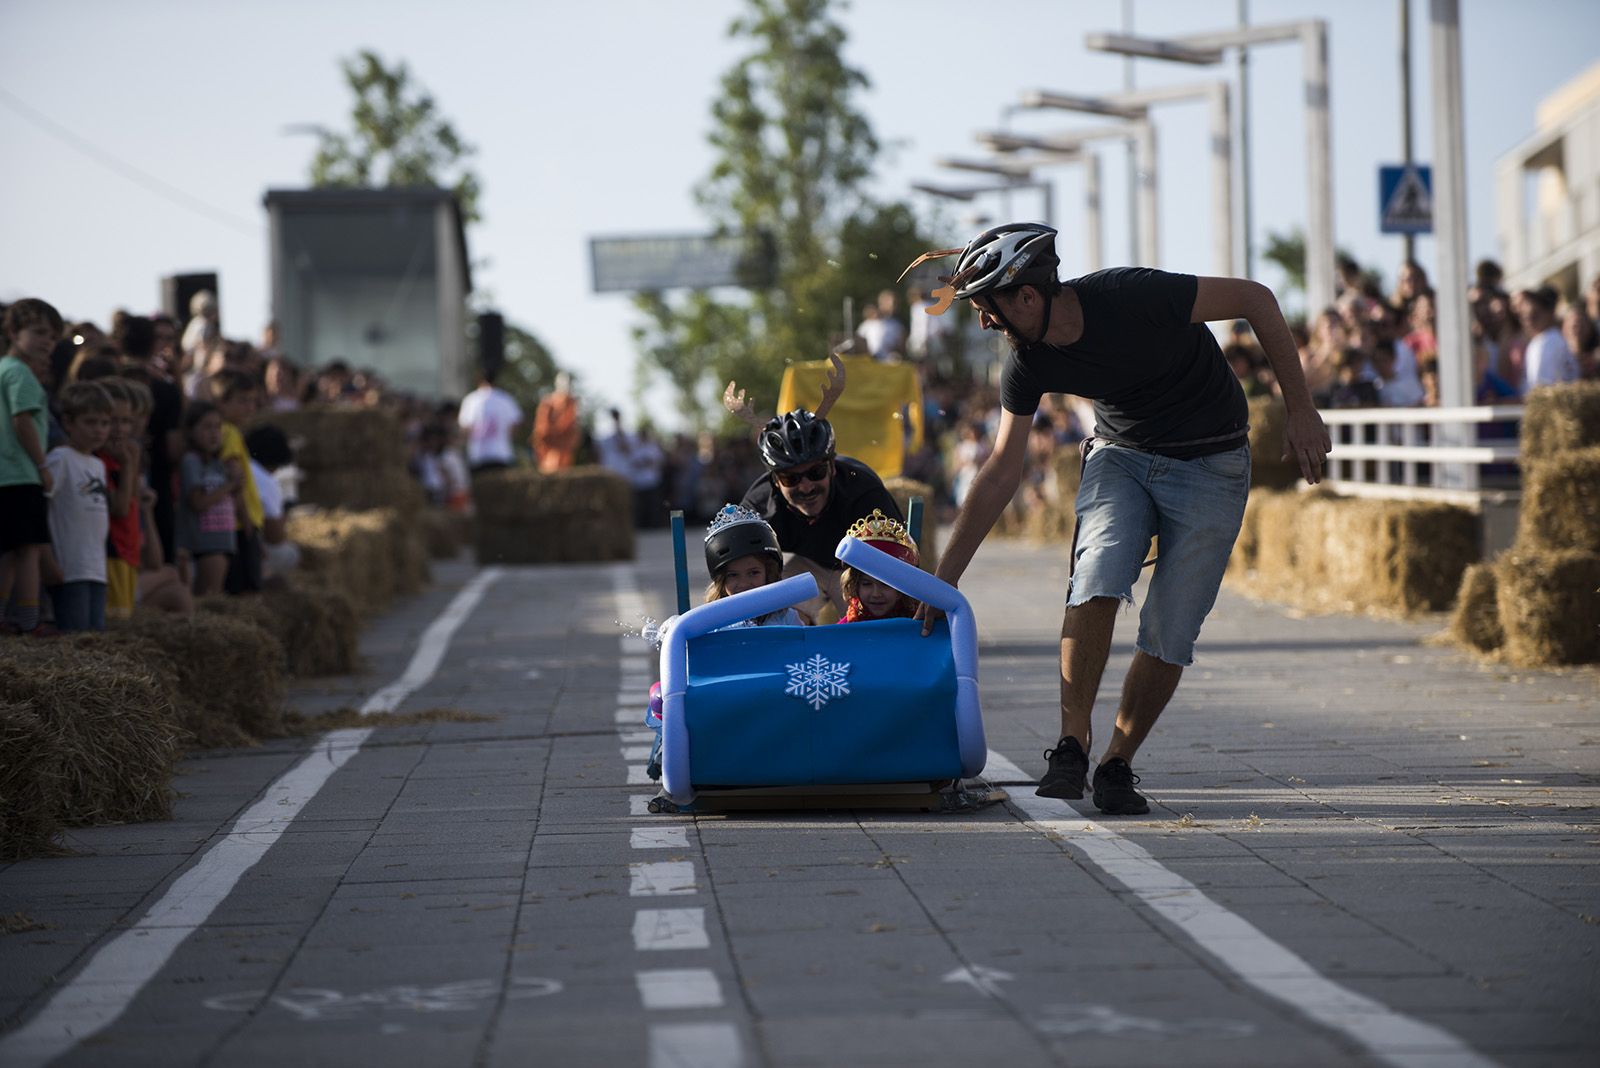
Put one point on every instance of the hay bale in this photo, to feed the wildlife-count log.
(341, 439)
(371, 555)
(1476, 620)
(1323, 552)
(1561, 502)
(227, 670)
(360, 489)
(1559, 419)
(113, 717)
(316, 626)
(1267, 468)
(1277, 522)
(33, 780)
(442, 533)
(578, 515)
(1549, 606)
(902, 490)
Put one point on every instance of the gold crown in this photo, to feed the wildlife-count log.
(879, 527)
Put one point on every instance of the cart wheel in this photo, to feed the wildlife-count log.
(659, 805)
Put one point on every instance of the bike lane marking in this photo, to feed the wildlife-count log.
(121, 968)
(1272, 968)
(709, 1044)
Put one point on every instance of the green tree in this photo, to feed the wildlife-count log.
(397, 137)
(793, 154)
(1288, 253)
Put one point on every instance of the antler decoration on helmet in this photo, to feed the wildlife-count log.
(738, 405)
(945, 295)
(831, 389)
(926, 256)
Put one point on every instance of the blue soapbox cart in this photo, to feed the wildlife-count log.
(868, 714)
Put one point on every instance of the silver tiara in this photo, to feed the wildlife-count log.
(731, 515)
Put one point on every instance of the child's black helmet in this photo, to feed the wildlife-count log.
(796, 438)
(738, 531)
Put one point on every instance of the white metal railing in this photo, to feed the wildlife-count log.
(1433, 454)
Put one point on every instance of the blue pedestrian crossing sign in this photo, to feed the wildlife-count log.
(1405, 199)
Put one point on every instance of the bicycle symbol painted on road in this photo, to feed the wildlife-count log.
(313, 1003)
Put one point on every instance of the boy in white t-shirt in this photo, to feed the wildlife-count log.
(79, 516)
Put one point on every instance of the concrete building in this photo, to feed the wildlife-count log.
(1548, 193)
(376, 277)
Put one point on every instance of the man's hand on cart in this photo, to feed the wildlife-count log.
(929, 615)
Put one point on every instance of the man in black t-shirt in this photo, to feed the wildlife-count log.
(1169, 457)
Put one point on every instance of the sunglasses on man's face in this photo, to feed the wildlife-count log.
(814, 473)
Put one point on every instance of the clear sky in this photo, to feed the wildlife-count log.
(591, 116)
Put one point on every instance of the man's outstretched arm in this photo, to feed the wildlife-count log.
(992, 489)
(1305, 438)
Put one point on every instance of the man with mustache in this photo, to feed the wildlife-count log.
(1169, 457)
(809, 494)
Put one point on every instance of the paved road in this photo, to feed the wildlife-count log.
(1363, 850)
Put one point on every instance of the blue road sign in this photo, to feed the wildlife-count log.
(1405, 199)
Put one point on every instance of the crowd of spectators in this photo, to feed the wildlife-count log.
(196, 506)
(1372, 348)
(131, 466)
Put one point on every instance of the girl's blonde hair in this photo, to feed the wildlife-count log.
(850, 584)
(718, 589)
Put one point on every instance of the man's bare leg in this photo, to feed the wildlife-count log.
(1145, 693)
(1085, 646)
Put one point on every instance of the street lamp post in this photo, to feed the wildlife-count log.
(1136, 106)
(1019, 173)
(969, 193)
(1450, 229)
(1207, 48)
(1073, 141)
(1044, 155)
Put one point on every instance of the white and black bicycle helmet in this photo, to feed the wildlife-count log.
(1014, 254)
(795, 438)
(736, 532)
(1010, 255)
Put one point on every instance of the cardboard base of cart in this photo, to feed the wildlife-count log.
(946, 796)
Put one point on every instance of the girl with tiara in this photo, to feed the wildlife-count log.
(865, 597)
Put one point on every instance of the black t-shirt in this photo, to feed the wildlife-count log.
(856, 491)
(1158, 381)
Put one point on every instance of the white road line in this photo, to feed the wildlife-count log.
(655, 929)
(659, 838)
(636, 752)
(635, 737)
(707, 1045)
(667, 878)
(105, 987)
(630, 714)
(639, 775)
(679, 988)
(639, 804)
(432, 645)
(1270, 967)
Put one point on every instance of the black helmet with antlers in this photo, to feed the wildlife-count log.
(797, 437)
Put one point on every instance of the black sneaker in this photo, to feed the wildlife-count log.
(1113, 789)
(1069, 765)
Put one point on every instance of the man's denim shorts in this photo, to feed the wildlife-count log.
(1194, 507)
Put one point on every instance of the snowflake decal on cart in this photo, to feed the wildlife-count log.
(817, 680)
